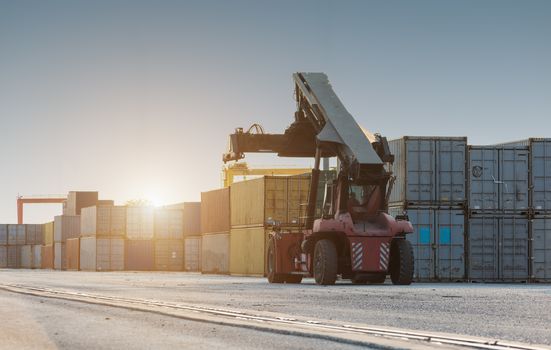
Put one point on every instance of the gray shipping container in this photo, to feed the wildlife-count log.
(60, 258)
(429, 170)
(541, 249)
(101, 254)
(3, 256)
(498, 178)
(3, 234)
(17, 234)
(37, 256)
(169, 224)
(14, 260)
(438, 243)
(26, 254)
(192, 253)
(498, 248)
(66, 226)
(35, 234)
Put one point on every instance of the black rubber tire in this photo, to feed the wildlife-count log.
(325, 262)
(401, 262)
(270, 265)
(293, 279)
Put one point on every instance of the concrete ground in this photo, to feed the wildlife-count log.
(504, 311)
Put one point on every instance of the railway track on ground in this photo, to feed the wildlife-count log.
(376, 337)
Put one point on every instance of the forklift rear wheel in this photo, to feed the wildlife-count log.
(273, 277)
(401, 262)
(325, 262)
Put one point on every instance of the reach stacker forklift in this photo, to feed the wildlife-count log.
(354, 237)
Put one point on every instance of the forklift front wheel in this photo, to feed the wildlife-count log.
(325, 262)
(273, 277)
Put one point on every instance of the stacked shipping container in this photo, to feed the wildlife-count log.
(498, 213)
(103, 229)
(65, 227)
(139, 245)
(169, 239)
(255, 206)
(215, 231)
(431, 187)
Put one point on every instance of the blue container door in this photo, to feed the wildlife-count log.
(541, 249)
(483, 248)
(513, 179)
(540, 153)
(513, 248)
(483, 179)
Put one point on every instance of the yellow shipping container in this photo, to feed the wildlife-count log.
(215, 211)
(48, 231)
(247, 251)
(279, 198)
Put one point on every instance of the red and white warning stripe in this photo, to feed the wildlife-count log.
(384, 256)
(357, 255)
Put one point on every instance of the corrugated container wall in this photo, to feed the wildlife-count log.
(498, 179)
(48, 233)
(270, 198)
(169, 224)
(101, 254)
(103, 220)
(65, 227)
(47, 256)
(72, 249)
(37, 256)
(498, 248)
(438, 242)
(26, 254)
(247, 247)
(429, 171)
(140, 222)
(140, 255)
(215, 253)
(60, 257)
(76, 200)
(14, 260)
(192, 253)
(215, 211)
(541, 249)
(35, 234)
(169, 255)
(17, 234)
(3, 256)
(192, 218)
(3, 234)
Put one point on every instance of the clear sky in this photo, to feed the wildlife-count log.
(136, 98)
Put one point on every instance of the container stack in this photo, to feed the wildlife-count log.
(255, 206)
(47, 250)
(103, 228)
(140, 244)
(3, 246)
(16, 239)
(31, 253)
(192, 236)
(215, 231)
(65, 227)
(539, 202)
(169, 239)
(498, 213)
(431, 188)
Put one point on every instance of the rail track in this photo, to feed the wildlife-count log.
(353, 334)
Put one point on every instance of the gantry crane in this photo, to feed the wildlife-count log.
(45, 199)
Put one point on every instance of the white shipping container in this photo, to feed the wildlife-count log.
(60, 262)
(192, 254)
(101, 254)
(140, 222)
(103, 221)
(26, 256)
(66, 226)
(37, 256)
